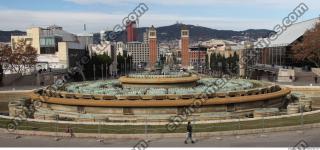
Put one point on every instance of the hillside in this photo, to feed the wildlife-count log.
(5, 36)
(171, 32)
(199, 33)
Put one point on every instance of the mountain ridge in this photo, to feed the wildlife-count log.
(172, 32)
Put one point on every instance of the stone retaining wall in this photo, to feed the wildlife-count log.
(165, 123)
(163, 135)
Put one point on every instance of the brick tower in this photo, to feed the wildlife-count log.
(131, 32)
(185, 59)
(153, 47)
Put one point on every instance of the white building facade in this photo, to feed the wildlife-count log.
(56, 48)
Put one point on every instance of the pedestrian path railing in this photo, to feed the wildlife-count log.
(145, 128)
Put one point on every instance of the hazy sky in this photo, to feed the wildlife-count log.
(105, 14)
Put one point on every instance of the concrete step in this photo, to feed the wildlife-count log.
(305, 76)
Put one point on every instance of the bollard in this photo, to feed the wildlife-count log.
(301, 117)
(56, 138)
(146, 128)
(99, 133)
(220, 132)
(239, 127)
(263, 126)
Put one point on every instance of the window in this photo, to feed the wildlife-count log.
(152, 33)
(47, 50)
(47, 42)
(184, 32)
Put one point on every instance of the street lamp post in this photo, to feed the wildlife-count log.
(125, 66)
(107, 71)
(130, 61)
(220, 68)
(102, 71)
(94, 71)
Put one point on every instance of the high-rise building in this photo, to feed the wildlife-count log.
(185, 47)
(139, 52)
(153, 47)
(146, 53)
(131, 32)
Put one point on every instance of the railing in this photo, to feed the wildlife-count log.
(236, 126)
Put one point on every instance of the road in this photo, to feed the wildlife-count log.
(278, 139)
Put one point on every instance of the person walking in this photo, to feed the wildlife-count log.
(315, 79)
(69, 130)
(189, 133)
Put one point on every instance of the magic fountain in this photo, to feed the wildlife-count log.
(157, 96)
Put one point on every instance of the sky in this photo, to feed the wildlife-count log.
(105, 14)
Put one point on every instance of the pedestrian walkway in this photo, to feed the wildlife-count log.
(275, 139)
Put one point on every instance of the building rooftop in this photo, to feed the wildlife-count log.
(202, 48)
(85, 34)
(213, 42)
(293, 32)
(135, 42)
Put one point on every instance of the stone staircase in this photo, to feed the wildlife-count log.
(303, 76)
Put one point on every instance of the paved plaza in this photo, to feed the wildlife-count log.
(276, 139)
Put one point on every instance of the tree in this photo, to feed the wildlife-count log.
(20, 59)
(213, 61)
(120, 62)
(235, 63)
(101, 60)
(105, 59)
(162, 59)
(174, 58)
(4, 50)
(130, 62)
(207, 61)
(223, 62)
(5, 56)
(1, 74)
(308, 48)
(229, 63)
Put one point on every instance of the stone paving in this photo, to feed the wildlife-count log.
(275, 139)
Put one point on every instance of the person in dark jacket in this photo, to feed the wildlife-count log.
(189, 133)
